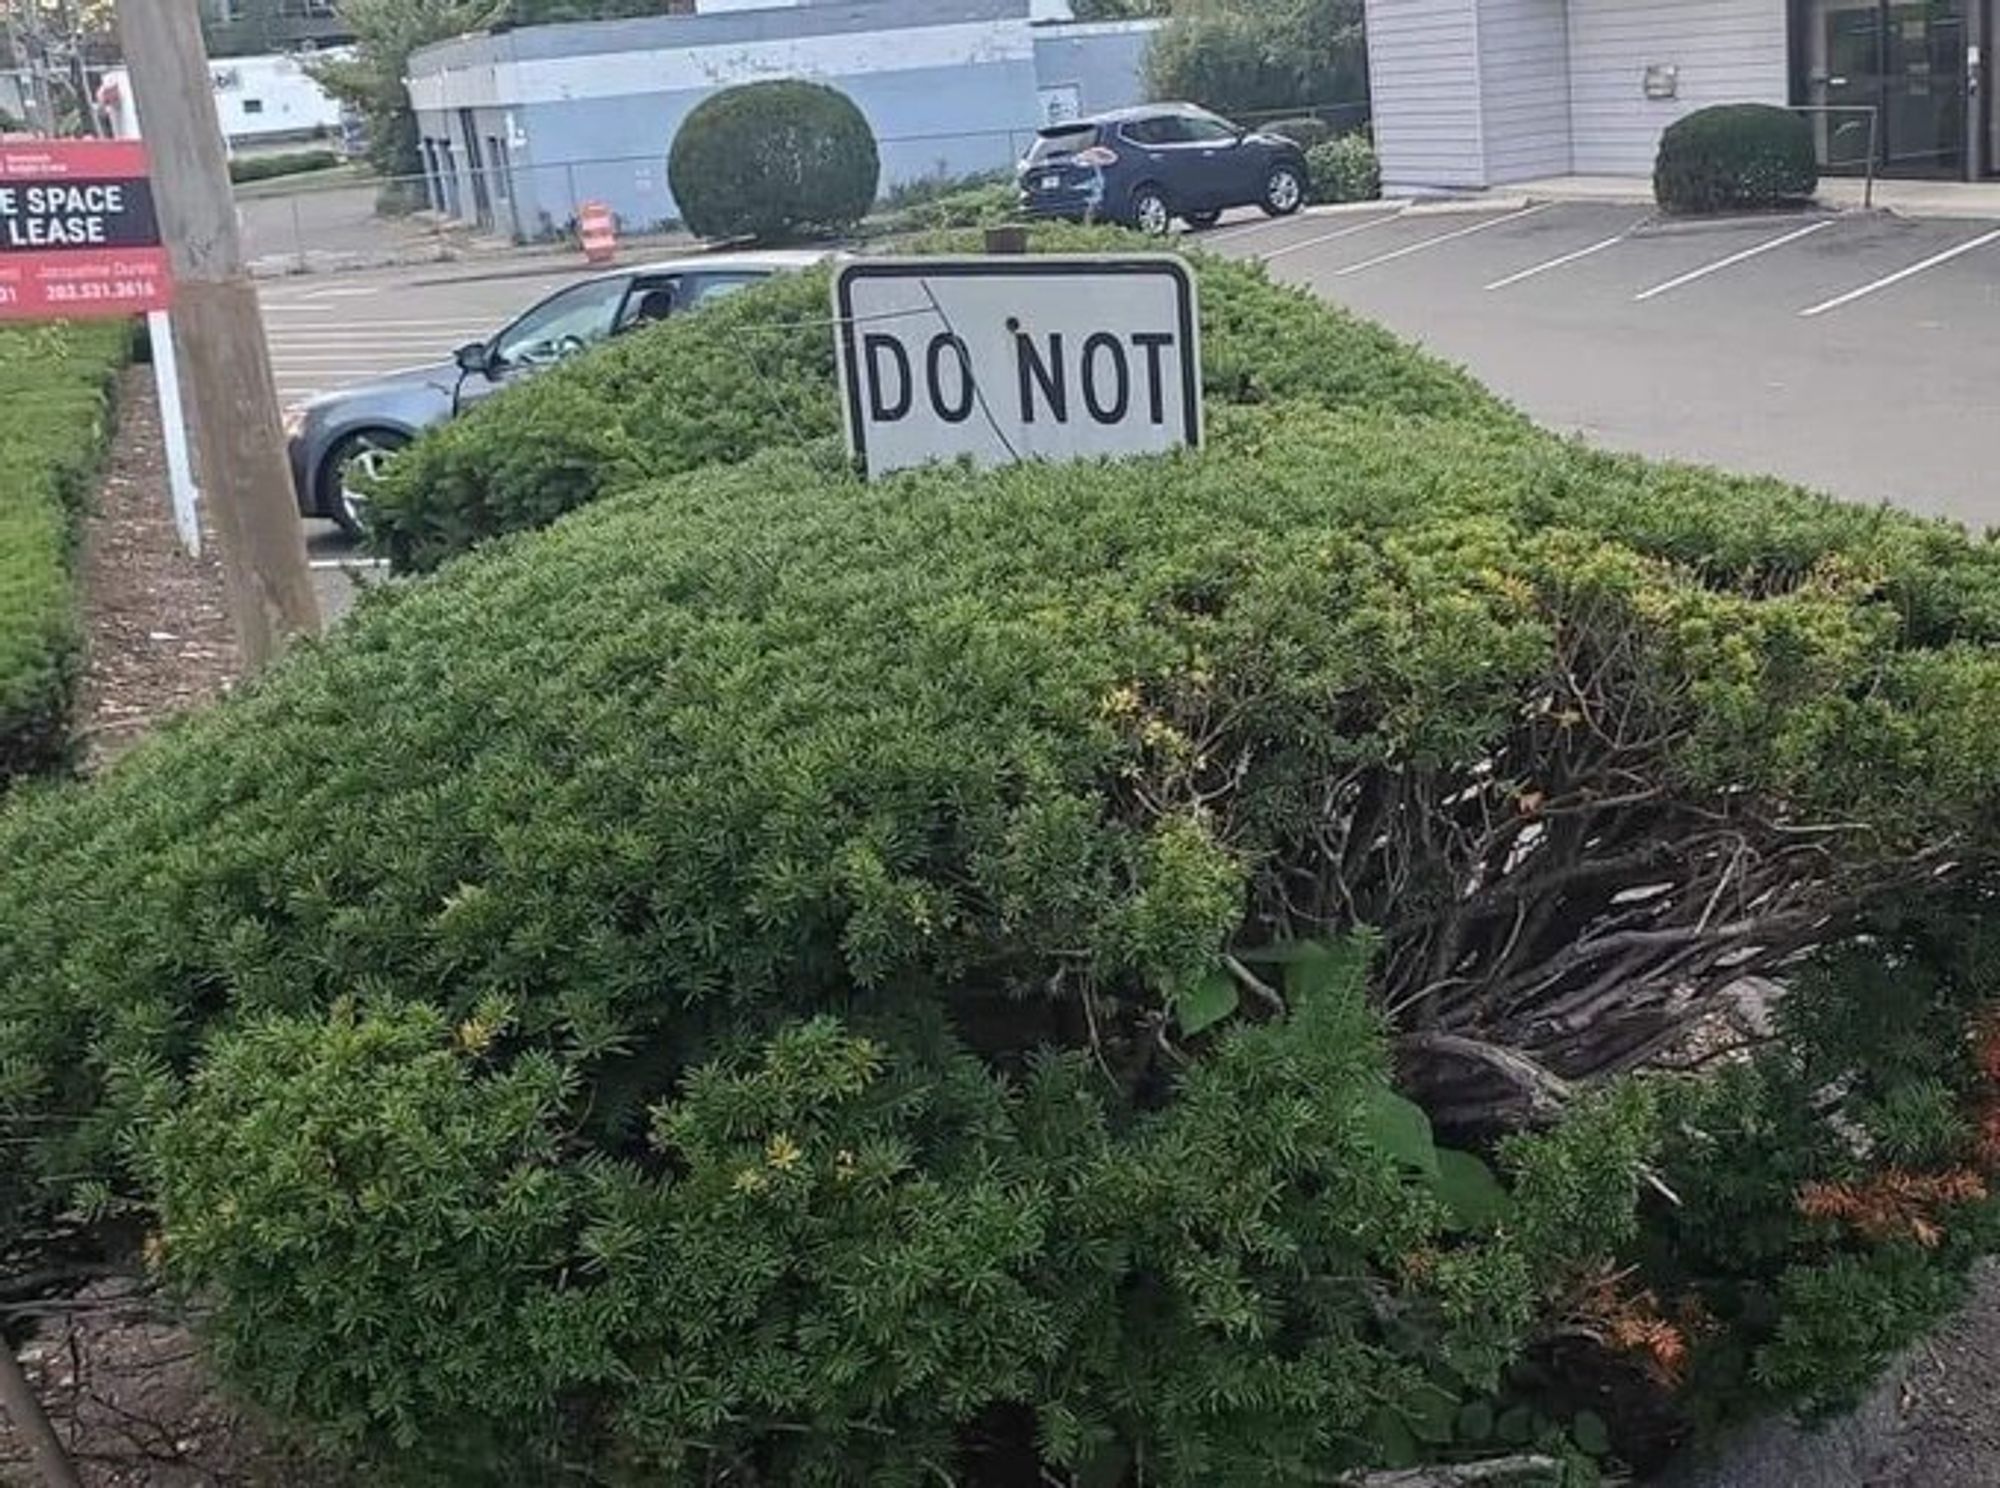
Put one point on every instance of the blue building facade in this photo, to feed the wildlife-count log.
(518, 128)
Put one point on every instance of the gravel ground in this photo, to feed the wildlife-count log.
(160, 641)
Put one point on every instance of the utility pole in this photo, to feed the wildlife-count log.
(220, 330)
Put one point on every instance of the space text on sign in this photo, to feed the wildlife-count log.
(1002, 359)
(78, 232)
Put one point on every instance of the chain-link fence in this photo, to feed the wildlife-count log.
(499, 199)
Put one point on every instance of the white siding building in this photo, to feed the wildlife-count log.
(1478, 93)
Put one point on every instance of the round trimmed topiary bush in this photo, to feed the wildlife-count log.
(1736, 157)
(774, 160)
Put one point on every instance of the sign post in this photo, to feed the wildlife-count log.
(1003, 359)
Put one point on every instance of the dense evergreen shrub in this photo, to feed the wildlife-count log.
(56, 387)
(1735, 157)
(1345, 170)
(248, 168)
(637, 409)
(773, 160)
(737, 982)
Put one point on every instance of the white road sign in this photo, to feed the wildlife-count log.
(1017, 358)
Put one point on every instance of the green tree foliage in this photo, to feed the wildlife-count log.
(386, 33)
(1735, 157)
(56, 391)
(1250, 57)
(773, 160)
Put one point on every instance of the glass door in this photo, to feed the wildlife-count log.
(1906, 59)
(1924, 114)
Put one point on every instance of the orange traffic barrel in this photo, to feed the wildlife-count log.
(599, 232)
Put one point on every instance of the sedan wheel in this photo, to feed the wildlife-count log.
(1150, 212)
(1284, 192)
(354, 463)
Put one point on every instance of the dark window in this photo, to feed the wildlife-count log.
(1060, 144)
(253, 105)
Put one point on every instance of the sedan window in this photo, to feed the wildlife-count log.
(562, 325)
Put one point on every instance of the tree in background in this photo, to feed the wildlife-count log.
(370, 78)
(1251, 57)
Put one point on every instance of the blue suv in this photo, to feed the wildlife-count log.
(1146, 166)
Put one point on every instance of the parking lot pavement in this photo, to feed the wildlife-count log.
(327, 333)
(1859, 354)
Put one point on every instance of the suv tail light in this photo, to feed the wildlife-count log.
(1097, 155)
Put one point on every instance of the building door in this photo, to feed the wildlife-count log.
(1907, 61)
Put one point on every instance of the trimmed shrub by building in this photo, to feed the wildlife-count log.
(1345, 170)
(1736, 157)
(56, 387)
(772, 161)
(634, 410)
(863, 981)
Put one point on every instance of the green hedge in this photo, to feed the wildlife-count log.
(56, 387)
(736, 981)
(269, 167)
(632, 411)
(1345, 170)
(1736, 157)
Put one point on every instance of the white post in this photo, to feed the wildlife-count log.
(166, 371)
(173, 423)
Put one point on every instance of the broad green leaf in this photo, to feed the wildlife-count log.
(1590, 1433)
(1207, 1003)
(1433, 1415)
(1400, 1128)
(1468, 1188)
(1516, 1427)
(1395, 1448)
(1475, 1423)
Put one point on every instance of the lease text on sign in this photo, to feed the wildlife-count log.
(79, 235)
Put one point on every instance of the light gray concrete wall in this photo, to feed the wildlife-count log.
(1424, 75)
(1524, 89)
(1105, 62)
(1728, 51)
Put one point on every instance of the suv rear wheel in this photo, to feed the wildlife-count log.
(1151, 212)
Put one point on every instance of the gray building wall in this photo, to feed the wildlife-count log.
(589, 112)
(1524, 76)
(1105, 63)
(1424, 81)
(1477, 93)
(1728, 51)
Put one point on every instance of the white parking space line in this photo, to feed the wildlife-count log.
(1345, 232)
(1901, 274)
(1441, 239)
(1556, 263)
(1769, 246)
(332, 565)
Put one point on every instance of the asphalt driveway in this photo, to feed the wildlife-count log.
(1858, 353)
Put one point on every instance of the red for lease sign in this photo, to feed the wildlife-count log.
(78, 233)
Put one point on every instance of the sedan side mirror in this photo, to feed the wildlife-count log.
(474, 357)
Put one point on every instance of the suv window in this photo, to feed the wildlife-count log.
(1155, 131)
(701, 289)
(1205, 129)
(1060, 144)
